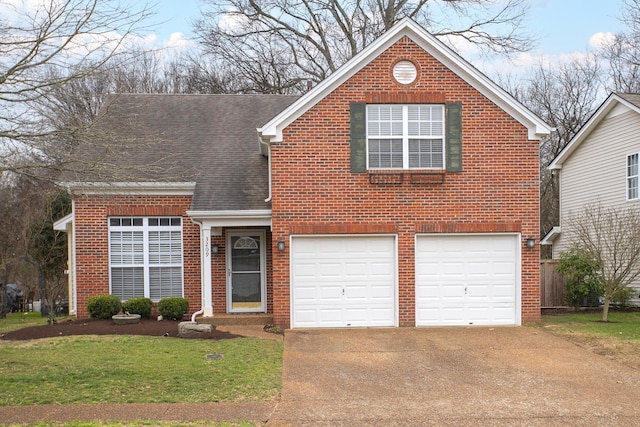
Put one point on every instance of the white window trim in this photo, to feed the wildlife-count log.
(628, 177)
(405, 137)
(146, 228)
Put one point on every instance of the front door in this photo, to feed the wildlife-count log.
(246, 271)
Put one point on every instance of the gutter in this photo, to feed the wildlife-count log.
(201, 311)
(265, 150)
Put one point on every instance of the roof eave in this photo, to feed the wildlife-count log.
(551, 236)
(612, 100)
(140, 188)
(64, 223)
(232, 218)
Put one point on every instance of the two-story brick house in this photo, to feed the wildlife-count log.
(401, 191)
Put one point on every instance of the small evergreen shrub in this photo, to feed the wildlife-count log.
(173, 308)
(103, 306)
(581, 280)
(140, 305)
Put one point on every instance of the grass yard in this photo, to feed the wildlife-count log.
(15, 321)
(137, 424)
(138, 369)
(618, 339)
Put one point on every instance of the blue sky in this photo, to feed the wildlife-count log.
(561, 26)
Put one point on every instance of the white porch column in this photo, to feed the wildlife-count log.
(205, 250)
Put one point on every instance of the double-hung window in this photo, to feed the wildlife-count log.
(405, 136)
(145, 257)
(632, 177)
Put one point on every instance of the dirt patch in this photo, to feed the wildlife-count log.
(166, 328)
(626, 352)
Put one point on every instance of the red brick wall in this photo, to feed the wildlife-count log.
(496, 192)
(92, 238)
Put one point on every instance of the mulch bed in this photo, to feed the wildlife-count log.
(164, 328)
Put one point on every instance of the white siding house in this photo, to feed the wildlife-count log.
(600, 164)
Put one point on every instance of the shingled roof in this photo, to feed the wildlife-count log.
(207, 139)
(633, 98)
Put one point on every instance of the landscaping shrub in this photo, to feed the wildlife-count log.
(103, 306)
(581, 278)
(140, 305)
(622, 296)
(173, 308)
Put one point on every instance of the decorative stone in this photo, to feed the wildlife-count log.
(191, 328)
(125, 319)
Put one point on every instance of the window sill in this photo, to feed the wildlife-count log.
(398, 176)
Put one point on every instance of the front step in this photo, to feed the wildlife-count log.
(237, 319)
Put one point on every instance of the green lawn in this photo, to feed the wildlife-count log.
(620, 325)
(15, 321)
(128, 369)
(138, 424)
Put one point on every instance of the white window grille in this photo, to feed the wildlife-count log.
(145, 257)
(405, 136)
(632, 177)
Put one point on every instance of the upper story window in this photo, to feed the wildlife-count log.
(632, 177)
(145, 257)
(405, 137)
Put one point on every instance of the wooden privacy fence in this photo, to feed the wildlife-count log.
(551, 285)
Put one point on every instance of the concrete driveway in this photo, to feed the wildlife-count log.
(450, 376)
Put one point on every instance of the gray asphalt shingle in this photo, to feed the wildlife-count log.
(209, 139)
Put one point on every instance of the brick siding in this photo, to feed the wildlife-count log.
(314, 190)
(92, 240)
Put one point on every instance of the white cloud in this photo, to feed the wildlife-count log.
(177, 41)
(232, 21)
(599, 40)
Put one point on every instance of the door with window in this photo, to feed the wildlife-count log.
(246, 271)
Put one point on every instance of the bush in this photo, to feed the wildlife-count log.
(622, 296)
(173, 308)
(103, 306)
(140, 305)
(581, 277)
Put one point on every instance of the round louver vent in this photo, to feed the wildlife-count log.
(405, 72)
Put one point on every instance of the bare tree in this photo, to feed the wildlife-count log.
(564, 95)
(21, 202)
(47, 248)
(60, 42)
(610, 237)
(623, 52)
(276, 46)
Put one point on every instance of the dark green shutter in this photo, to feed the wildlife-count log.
(358, 119)
(453, 136)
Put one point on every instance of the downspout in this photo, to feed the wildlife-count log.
(268, 199)
(201, 311)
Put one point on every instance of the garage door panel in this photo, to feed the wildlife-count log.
(466, 279)
(354, 278)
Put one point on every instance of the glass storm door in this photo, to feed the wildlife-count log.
(245, 271)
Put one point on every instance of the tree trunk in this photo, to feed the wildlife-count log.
(605, 308)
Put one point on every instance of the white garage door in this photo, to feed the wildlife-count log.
(467, 280)
(341, 281)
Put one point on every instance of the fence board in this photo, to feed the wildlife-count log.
(551, 285)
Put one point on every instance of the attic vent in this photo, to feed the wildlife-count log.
(245, 243)
(405, 72)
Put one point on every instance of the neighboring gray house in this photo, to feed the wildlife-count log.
(600, 164)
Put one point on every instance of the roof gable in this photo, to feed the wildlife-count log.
(616, 103)
(272, 130)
